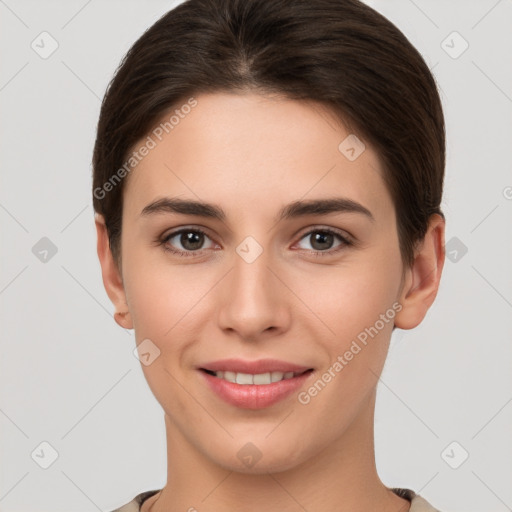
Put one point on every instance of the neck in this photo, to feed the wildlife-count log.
(342, 476)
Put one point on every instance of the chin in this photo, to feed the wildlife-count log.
(259, 457)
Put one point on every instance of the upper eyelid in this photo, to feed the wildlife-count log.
(177, 231)
(337, 231)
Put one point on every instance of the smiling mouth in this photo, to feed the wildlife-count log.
(260, 379)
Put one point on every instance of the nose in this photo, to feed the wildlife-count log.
(253, 301)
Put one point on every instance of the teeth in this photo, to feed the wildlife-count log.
(262, 378)
(249, 378)
(244, 378)
(229, 376)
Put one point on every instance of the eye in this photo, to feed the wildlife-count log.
(191, 241)
(321, 241)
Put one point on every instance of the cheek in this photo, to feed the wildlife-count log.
(157, 293)
(357, 305)
(348, 299)
(151, 302)
(161, 301)
(168, 304)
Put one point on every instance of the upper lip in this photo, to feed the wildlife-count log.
(254, 367)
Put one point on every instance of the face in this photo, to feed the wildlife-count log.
(308, 295)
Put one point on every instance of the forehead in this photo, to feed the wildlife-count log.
(244, 150)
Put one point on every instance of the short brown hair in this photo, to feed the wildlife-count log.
(341, 53)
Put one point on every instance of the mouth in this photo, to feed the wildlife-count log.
(259, 379)
(254, 384)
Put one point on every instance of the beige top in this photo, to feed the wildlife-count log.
(418, 504)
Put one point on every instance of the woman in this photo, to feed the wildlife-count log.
(267, 186)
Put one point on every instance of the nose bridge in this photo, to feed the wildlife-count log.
(251, 299)
(250, 275)
(250, 279)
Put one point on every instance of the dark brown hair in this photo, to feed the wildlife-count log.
(341, 53)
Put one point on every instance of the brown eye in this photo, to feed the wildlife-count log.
(323, 240)
(191, 240)
(185, 242)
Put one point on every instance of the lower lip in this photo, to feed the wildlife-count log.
(254, 396)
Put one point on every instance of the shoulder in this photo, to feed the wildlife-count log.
(418, 503)
(135, 504)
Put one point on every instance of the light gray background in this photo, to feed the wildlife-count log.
(68, 373)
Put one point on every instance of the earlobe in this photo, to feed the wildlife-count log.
(112, 280)
(422, 279)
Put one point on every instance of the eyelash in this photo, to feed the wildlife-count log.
(345, 242)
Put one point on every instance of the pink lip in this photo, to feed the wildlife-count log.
(252, 396)
(254, 367)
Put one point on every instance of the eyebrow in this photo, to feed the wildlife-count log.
(293, 210)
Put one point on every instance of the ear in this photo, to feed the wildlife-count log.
(421, 281)
(112, 279)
